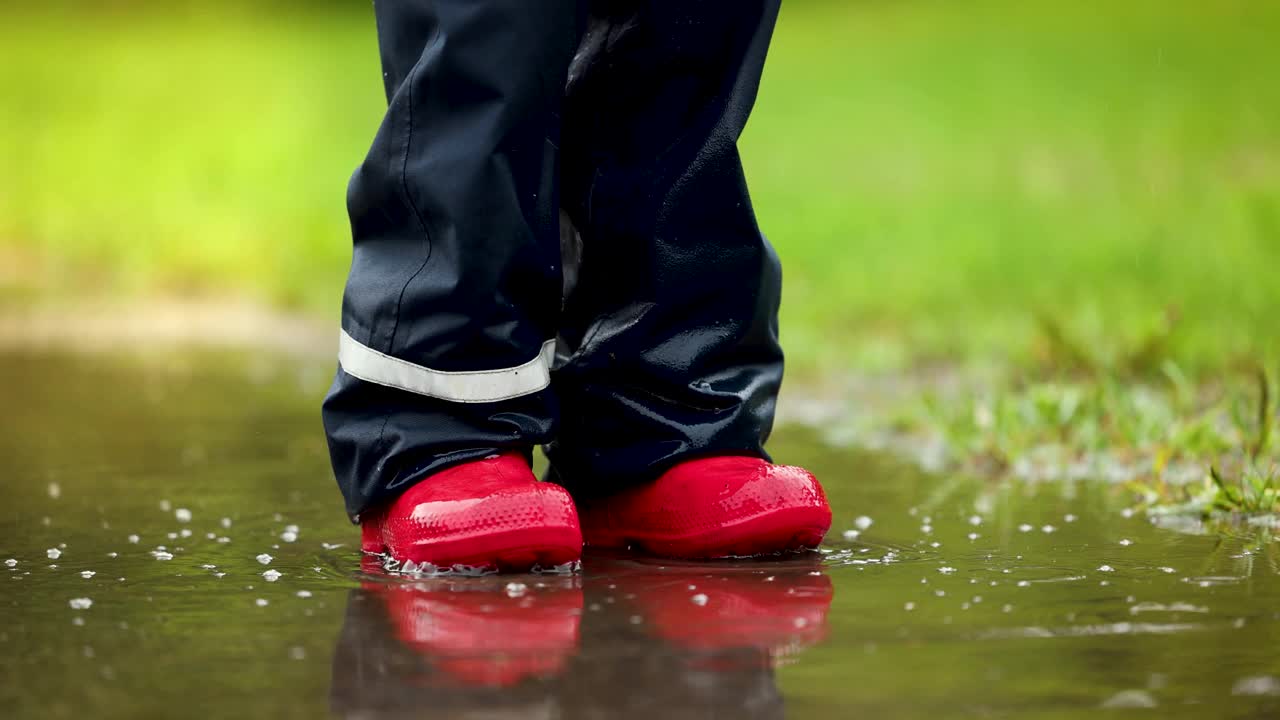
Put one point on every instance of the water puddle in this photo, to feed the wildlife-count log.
(173, 544)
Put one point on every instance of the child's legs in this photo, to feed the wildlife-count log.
(455, 284)
(674, 315)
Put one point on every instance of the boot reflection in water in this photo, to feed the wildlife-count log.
(635, 640)
(554, 245)
(780, 608)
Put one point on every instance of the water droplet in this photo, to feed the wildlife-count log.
(862, 522)
(86, 574)
(1260, 686)
(183, 515)
(53, 553)
(516, 589)
(1130, 699)
(260, 602)
(271, 575)
(80, 603)
(133, 539)
(1106, 568)
(264, 558)
(699, 599)
(304, 593)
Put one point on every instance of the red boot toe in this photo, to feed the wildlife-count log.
(714, 507)
(490, 514)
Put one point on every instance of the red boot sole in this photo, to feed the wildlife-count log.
(512, 551)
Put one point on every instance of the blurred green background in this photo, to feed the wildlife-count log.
(967, 182)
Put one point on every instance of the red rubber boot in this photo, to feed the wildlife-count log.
(713, 508)
(486, 515)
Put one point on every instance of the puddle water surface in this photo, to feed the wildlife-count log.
(172, 544)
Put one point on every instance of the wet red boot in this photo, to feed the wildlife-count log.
(712, 508)
(490, 514)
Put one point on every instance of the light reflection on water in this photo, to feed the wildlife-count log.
(171, 541)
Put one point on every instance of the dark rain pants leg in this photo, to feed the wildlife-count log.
(674, 314)
(455, 283)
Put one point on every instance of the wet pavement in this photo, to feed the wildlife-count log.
(172, 544)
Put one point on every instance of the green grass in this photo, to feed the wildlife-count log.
(203, 152)
(947, 173)
(1176, 447)
(939, 177)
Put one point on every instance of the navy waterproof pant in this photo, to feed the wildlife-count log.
(554, 245)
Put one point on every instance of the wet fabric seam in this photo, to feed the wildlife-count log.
(408, 198)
